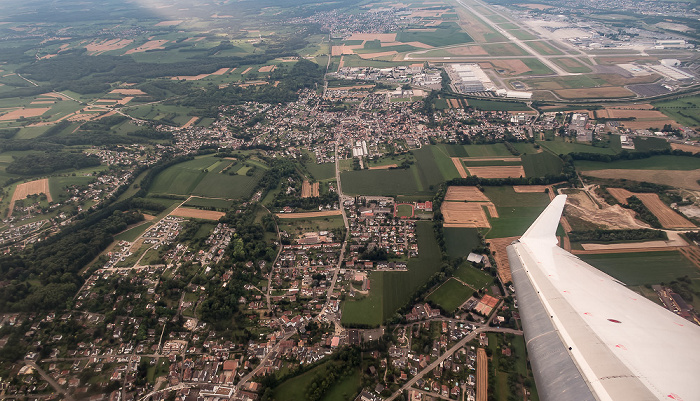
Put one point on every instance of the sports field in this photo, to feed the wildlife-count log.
(473, 276)
(644, 267)
(450, 295)
(205, 176)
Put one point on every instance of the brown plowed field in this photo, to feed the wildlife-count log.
(676, 178)
(498, 247)
(306, 215)
(459, 166)
(482, 375)
(685, 148)
(384, 167)
(26, 113)
(30, 188)
(667, 216)
(471, 214)
(197, 214)
(497, 171)
(467, 194)
(620, 194)
(308, 190)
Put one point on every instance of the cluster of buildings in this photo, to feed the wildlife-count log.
(415, 74)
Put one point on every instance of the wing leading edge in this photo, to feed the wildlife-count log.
(591, 338)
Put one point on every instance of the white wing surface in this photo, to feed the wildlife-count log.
(591, 338)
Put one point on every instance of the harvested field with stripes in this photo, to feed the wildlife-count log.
(497, 171)
(667, 216)
(309, 190)
(465, 194)
(469, 215)
(197, 213)
(30, 188)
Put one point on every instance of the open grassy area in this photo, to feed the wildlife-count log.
(512, 221)
(321, 172)
(445, 34)
(559, 147)
(644, 267)
(133, 233)
(541, 164)
(642, 144)
(460, 241)
(497, 105)
(685, 110)
(293, 226)
(505, 196)
(345, 389)
(405, 211)
(369, 309)
(204, 176)
(662, 162)
(497, 149)
(473, 276)
(295, 388)
(450, 295)
(431, 167)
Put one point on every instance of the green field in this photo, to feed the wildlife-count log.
(505, 196)
(497, 149)
(203, 177)
(450, 295)
(536, 67)
(473, 276)
(133, 233)
(431, 167)
(684, 110)
(460, 241)
(321, 172)
(497, 105)
(295, 388)
(310, 224)
(512, 221)
(391, 290)
(405, 211)
(559, 147)
(571, 65)
(58, 185)
(542, 164)
(642, 144)
(644, 267)
(219, 204)
(445, 34)
(662, 162)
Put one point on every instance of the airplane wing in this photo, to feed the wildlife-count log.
(591, 338)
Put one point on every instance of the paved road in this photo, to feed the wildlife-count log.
(449, 352)
(50, 380)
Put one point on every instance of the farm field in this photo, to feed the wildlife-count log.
(685, 110)
(513, 221)
(293, 226)
(203, 176)
(432, 166)
(661, 162)
(450, 295)
(321, 172)
(505, 196)
(677, 178)
(460, 241)
(644, 267)
(445, 34)
(541, 164)
(559, 147)
(497, 149)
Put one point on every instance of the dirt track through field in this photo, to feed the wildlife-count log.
(197, 213)
(384, 167)
(30, 188)
(460, 167)
(482, 375)
(306, 215)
